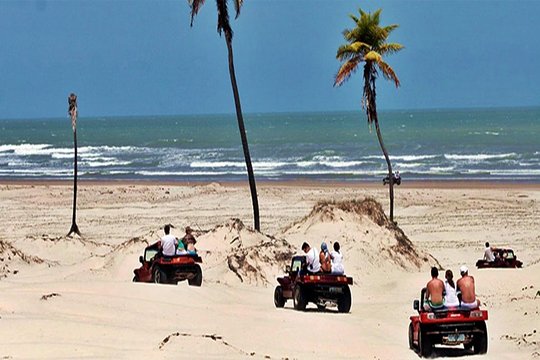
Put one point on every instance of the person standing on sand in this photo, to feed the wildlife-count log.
(168, 242)
(312, 259)
(434, 292)
(466, 289)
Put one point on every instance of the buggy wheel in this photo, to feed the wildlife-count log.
(411, 336)
(134, 279)
(159, 276)
(424, 344)
(344, 301)
(279, 301)
(299, 298)
(197, 279)
(480, 341)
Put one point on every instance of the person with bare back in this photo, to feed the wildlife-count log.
(434, 292)
(466, 291)
(324, 259)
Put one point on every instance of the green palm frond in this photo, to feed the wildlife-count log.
(367, 42)
(346, 70)
(389, 48)
(348, 51)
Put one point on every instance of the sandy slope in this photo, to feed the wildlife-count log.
(71, 298)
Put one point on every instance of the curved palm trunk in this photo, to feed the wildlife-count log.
(241, 128)
(389, 165)
(370, 95)
(74, 227)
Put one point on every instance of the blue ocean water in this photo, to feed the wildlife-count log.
(495, 144)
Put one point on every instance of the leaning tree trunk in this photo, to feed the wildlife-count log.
(370, 96)
(389, 165)
(242, 129)
(74, 227)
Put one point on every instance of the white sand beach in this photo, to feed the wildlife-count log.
(73, 298)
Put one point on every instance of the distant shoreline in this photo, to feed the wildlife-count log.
(427, 184)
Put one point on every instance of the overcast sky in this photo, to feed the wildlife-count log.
(137, 57)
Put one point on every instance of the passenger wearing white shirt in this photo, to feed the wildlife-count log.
(488, 253)
(450, 291)
(168, 242)
(337, 260)
(312, 258)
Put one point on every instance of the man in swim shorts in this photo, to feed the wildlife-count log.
(434, 292)
(465, 287)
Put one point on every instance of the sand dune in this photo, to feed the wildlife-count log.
(73, 298)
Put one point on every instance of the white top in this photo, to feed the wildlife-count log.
(337, 263)
(168, 245)
(312, 260)
(488, 255)
(450, 298)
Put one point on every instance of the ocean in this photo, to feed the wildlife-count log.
(469, 144)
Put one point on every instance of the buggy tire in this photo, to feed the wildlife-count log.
(134, 279)
(424, 344)
(197, 279)
(344, 301)
(480, 341)
(411, 336)
(159, 276)
(299, 298)
(279, 300)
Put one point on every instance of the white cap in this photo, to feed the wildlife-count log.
(463, 269)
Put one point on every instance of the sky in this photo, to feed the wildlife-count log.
(134, 57)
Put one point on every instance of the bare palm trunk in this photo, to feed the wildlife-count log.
(389, 165)
(370, 95)
(242, 129)
(74, 227)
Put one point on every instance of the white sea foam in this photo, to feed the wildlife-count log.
(478, 157)
(408, 165)
(24, 149)
(402, 157)
(104, 163)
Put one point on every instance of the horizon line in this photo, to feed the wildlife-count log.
(285, 112)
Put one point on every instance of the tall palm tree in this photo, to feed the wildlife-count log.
(366, 43)
(224, 27)
(73, 113)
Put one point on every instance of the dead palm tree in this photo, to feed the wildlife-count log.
(73, 112)
(366, 43)
(224, 27)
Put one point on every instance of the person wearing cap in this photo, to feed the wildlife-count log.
(466, 291)
(434, 292)
(189, 241)
(312, 260)
(324, 258)
(168, 242)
